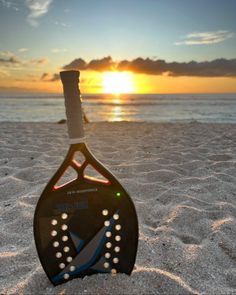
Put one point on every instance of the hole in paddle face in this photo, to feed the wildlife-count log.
(55, 244)
(117, 249)
(58, 255)
(118, 227)
(107, 255)
(105, 212)
(65, 238)
(116, 216)
(54, 222)
(108, 234)
(68, 176)
(78, 158)
(117, 238)
(69, 259)
(62, 265)
(108, 245)
(92, 174)
(66, 249)
(64, 227)
(53, 233)
(106, 223)
(64, 216)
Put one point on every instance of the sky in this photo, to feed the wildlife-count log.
(160, 46)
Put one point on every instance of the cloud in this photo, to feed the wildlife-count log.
(9, 4)
(55, 77)
(78, 63)
(23, 49)
(203, 38)
(99, 65)
(6, 53)
(41, 61)
(9, 61)
(57, 23)
(146, 66)
(58, 50)
(44, 76)
(6, 3)
(50, 77)
(216, 68)
(37, 9)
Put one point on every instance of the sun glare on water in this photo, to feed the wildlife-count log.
(118, 82)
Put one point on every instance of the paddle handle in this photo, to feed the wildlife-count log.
(70, 81)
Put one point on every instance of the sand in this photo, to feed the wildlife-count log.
(182, 178)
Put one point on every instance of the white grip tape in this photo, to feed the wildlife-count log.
(76, 140)
(70, 81)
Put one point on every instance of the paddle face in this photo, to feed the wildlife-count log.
(85, 226)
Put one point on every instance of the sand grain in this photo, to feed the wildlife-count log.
(182, 178)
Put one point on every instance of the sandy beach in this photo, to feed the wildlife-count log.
(182, 178)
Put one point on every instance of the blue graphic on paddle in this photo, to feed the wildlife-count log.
(87, 257)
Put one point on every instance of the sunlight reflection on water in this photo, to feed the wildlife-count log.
(154, 108)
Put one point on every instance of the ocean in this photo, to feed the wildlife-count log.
(208, 108)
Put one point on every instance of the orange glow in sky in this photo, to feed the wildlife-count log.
(123, 82)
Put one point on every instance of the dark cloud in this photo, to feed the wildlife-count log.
(78, 64)
(99, 65)
(9, 61)
(146, 66)
(44, 76)
(50, 77)
(13, 61)
(55, 77)
(216, 68)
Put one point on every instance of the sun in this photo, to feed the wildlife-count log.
(118, 82)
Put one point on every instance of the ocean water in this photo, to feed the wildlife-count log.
(211, 108)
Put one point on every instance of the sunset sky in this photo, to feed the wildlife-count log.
(159, 46)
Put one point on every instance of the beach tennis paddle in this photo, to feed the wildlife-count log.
(87, 225)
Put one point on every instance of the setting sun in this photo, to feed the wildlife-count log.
(118, 82)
